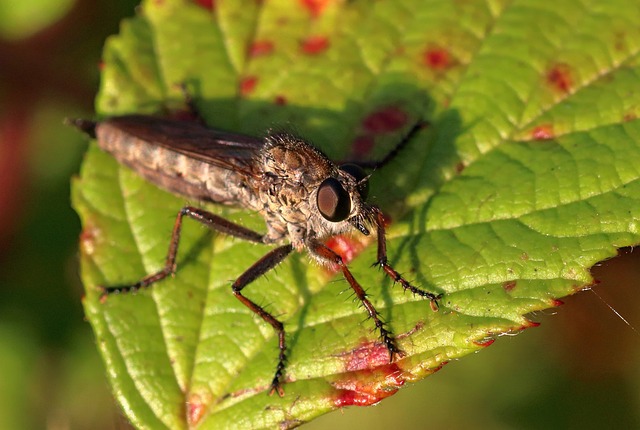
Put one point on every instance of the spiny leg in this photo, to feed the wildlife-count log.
(393, 273)
(207, 218)
(322, 251)
(259, 268)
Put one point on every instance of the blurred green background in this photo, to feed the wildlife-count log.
(579, 369)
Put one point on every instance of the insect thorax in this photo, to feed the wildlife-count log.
(292, 170)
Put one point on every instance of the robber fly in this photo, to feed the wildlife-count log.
(303, 196)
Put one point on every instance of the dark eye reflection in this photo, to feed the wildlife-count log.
(333, 200)
(360, 177)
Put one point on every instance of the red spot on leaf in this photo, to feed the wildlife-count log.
(543, 132)
(385, 120)
(437, 58)
(101, 65)
(509, 285)
(362, 145)
(629, 116)
(369, 378)
(354, 398)
(529, 324)
(261, 47)
(559, 77)
(207, 4)
(315, 7)
(348, 247)
(555, 303)
(484, 343)
(460, 167)
(366, 356)
(314, 45)
(248, 84)
(196, 408)
(280, 100)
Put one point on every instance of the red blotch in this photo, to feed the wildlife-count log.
(437, 58)
(261, 47)
(370, 376)
(362, 145)
(248, 84)
(559, 77)
(460, 167)
(509, 285)
(366, 356)
(207, 4)
(556, 303)
(354, 398)
(385, 120)
(484, 343)
(629, 116)
(529, 324)
(280, 100)
(347, 247)
(543, 132)
(315, 7)
(196, 409)
(314, 45)
(101, 65)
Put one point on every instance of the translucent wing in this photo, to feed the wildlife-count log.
(223, 149)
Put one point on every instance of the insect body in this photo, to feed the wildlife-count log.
(303, 196)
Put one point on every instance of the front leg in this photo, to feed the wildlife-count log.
(321, 251)
(393, 273)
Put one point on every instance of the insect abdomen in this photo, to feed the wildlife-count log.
(169, 169)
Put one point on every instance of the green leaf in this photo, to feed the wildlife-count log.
(526, 176)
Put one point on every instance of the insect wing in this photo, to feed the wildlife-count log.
(223, 149)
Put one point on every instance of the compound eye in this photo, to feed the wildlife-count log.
(360, 177)
(333, 200)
